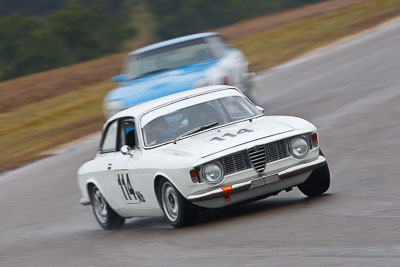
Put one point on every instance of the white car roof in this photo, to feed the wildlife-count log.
(136, 110)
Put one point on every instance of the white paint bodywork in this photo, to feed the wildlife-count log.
(234, 66)
(174, 161)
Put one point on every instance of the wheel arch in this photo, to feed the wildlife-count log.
(89, 184)
(157, 180)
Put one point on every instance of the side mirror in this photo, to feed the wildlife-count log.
(119, 78)
(260, 109)
(126, 150)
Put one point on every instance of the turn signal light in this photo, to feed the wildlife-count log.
(194, 176)
(314, 139)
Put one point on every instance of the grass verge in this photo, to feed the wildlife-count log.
(271, 47)
(38, 126)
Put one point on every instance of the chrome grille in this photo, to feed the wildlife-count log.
(236, 162)
(263, 154)
(258, 158)
(276, 150)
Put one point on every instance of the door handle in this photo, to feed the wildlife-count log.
(109, 166)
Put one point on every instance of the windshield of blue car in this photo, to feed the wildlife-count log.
(178, 123)
(168, 57)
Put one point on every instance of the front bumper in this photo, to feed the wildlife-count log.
(258, 181)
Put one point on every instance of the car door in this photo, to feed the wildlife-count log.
(104, 160)
(125, 179)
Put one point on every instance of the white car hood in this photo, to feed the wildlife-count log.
(216, 140)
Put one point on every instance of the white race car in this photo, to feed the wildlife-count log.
(205, 148)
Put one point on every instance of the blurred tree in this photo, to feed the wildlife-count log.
(77, 27)
(15, 31)
(31, 7)
(44, 51)
(180, 17)
(89, 32)
(72, 34)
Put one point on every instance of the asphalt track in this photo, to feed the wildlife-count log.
(351, 92)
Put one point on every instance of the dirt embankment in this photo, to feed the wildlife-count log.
(36, 87)
(275, 20)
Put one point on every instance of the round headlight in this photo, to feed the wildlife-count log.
(298, 147)
(213, 173)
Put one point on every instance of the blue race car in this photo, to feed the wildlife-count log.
(177, 65)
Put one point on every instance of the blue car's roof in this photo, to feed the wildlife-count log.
(172, 41)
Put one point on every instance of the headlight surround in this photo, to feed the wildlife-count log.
(298, 147)
(112, 107)
(212, 172)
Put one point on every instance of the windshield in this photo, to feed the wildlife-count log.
(168, 57)
(167, 127)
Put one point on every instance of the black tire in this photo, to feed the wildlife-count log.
(107, 218)
(318, 182)
(177, 210)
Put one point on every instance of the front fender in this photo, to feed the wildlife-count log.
(84, 188)
(177, 178)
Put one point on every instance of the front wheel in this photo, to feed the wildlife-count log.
(178, 211)
(107, 218)
(318, 182)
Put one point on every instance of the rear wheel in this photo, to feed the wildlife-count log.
(178, 211)
(318, 182)
(107, 218)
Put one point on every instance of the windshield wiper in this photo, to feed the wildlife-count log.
(197, 129)
(151, 72)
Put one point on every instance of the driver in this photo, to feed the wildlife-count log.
(158, 131)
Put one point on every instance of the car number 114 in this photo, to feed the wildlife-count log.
(129, 195)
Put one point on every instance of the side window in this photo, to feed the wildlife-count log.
(110, 138)
(128, 133)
